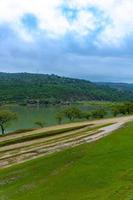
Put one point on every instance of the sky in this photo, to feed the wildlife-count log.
(87, 39)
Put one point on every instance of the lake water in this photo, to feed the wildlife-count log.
(27, 115)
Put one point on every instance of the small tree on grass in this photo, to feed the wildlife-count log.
(97, 114)
(5, 118)
(122, 109)
(72, 113)
(87, 115)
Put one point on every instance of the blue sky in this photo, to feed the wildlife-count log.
(87, 39)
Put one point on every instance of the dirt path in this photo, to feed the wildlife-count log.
(57, 127)
(12, 156)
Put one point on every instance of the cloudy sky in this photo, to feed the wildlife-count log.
(90, 39)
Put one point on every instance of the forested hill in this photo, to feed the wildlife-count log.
(22, 87)
(119, 86)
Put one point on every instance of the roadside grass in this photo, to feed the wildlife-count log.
(19, 131)
(102, 170)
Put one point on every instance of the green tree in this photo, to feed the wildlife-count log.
(72, 113)
(129, 107)
(5, 118)
(98, 113)
(87, 115)
(115, 111)
(59, 117)
(125, 108)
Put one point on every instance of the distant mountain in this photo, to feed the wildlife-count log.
(25, 87)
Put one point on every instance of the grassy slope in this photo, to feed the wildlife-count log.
(102, 170)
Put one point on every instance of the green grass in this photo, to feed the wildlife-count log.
(101, 170)
(104, 104)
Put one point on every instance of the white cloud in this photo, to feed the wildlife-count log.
(51, 19)
(121, 27)
(47, 12)
(84, 23)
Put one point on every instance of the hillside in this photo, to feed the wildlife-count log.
(119, 86)
(22, 87)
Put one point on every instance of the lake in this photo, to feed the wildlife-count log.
(28, 115)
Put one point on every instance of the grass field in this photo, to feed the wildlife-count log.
(102, 170)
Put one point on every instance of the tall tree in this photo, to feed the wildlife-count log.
(5, 118)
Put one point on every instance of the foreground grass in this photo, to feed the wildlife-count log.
(102, 170)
